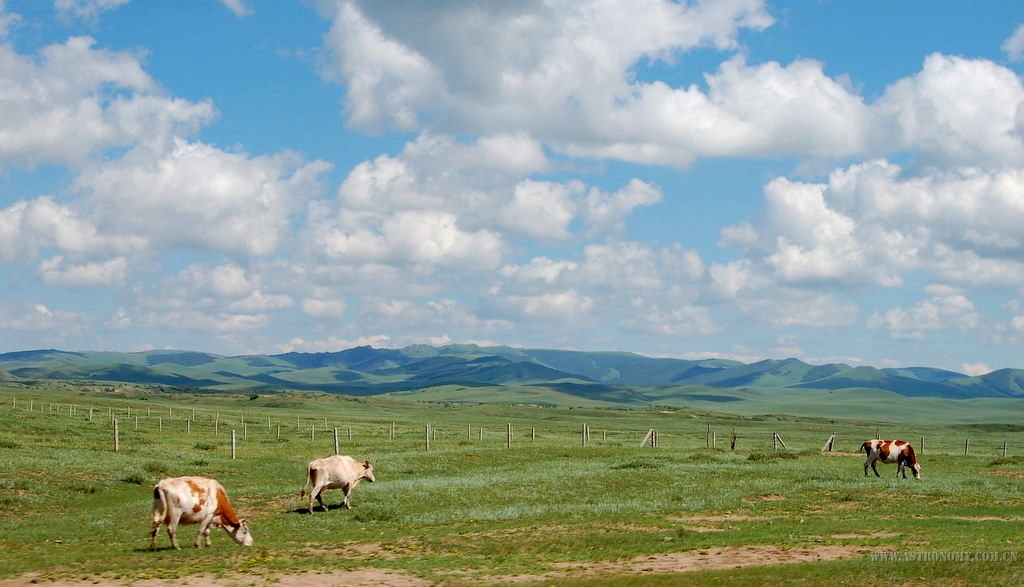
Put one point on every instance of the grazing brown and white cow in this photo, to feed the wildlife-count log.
(195, 500)
(335, 472)
(891, 451)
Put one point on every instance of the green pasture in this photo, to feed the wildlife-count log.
(546, 505)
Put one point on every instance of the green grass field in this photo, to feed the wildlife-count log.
(549, 509)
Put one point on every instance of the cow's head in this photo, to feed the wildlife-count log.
(368, 471)
(240, 533)
(916, 470)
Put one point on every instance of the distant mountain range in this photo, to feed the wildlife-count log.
(370, 371)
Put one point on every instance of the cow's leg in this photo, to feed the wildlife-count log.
(318, 492)
(348, 491)
(874, 467)
(867, 464)
(153, 533)
(311, 473)
(203, 535)
(172, 531)
(900, 468)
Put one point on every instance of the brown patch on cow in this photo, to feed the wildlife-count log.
(195, 489)
(224, 509)
(197, 492)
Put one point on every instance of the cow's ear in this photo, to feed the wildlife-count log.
(367, 464)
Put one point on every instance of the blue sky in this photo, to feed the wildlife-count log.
(832, 181)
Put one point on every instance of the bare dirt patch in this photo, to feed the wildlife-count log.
(726, 557)
(765, 497)
(355, 578)
(879, 534)
(1010, 474)
(727, 517)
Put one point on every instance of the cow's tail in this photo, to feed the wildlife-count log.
(159, 504)
(309, 476)
(866, 447)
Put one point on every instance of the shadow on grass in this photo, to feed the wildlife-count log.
(318, 509)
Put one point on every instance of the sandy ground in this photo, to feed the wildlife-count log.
(697, 560)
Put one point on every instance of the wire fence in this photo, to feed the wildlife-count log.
(245, 435)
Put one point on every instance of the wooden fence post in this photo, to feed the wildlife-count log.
(967, 446)
(1004, 448)
(337, 451)
(922, 445)
(732, 441)
(828, 443)
(232, 445)
(777, 440)
(426, 437)
(117, 444)
(651, 437)
(508, 442)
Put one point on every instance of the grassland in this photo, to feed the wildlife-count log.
(472, 509)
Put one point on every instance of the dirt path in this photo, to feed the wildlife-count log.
(726, 557)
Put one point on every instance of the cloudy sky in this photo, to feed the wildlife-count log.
(832, 181)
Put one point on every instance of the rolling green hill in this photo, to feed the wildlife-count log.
(504, 374)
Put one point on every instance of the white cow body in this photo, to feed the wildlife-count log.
(891, 451)
(335, 472)
(195, 500)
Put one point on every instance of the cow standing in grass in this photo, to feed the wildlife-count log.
(195, 500)
(891, 451)
(335, 472)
